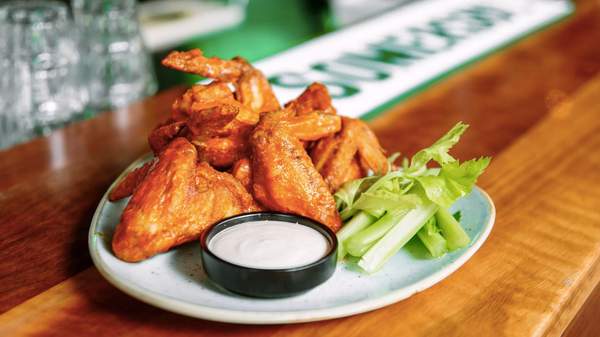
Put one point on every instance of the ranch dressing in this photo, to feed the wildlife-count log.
(269, 244)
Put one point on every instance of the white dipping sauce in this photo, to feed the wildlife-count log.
(269, 244)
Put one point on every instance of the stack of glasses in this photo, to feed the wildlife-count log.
(54, 70)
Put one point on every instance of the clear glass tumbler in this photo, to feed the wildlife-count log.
(40, 84)
(118, 69)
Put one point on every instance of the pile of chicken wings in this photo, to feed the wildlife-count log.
(229, 148)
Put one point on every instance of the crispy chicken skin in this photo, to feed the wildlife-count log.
(160, 137)
(251, 86)
(283, 176)
(218, 120)
(349, 154)
(254, 91)
(220, 133)
(198, 97)
(194, 62)
(236, 125)
(332, 157)
(314, 98)
(176, 201)
(242, 171)
(311, 126)
(218, 125)
(130, 182)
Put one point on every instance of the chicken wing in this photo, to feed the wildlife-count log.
(215, 122)
(130, 182)
(252, 87)
(220, 133)
(311, 126)
(219, 121)
(283, 176)
(254, 91)
(221, 152)
(194, 62)
(242, 171)
(199, 97)
(162, 135)
(236, 123)
(175, 202)
(349, 154)
(314, 98)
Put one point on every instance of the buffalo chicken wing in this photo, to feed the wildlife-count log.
(235, 124)
(283, 177)
(350, 154)
(175, 202)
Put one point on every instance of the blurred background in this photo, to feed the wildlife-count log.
(63, 61)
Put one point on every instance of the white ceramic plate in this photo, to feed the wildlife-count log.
(176, 282)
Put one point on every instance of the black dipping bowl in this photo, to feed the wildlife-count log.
(268, 282)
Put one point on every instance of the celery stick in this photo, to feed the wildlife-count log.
(432, 239)
(360, 242)
(360, 221)
(348, 213)
(452, 231)
(396, 237)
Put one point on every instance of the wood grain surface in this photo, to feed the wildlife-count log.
(534, 106)
(543, 256)
(50, 187)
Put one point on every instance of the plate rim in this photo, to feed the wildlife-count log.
(267, 317)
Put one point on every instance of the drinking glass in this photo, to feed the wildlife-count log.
(39, 69)
(118, 69)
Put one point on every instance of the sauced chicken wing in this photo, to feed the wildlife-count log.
(175, 202)
(221, 132)
(254, 91)
(199, 97)
(242, 171)
(345, 156)
(235, 123)
(194, 62)
(130, 182)
(252, 88)
(283, 176)
(218, 120)
(314, 98)
(349, 154)
(162, 135)
(333, 156)
(222, 152)
(311, 126)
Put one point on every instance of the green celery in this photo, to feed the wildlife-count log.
(360, 221)
(384, 212)
(432, 239)
(457, 215)
(454, 180)
(438, 151)
(360, 242)
(396, 237)
(455, 235)
(378, 202)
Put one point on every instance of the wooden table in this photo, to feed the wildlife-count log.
(535, 107)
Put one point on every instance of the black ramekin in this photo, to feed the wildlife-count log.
(268, 282)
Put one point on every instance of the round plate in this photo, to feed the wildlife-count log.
(176, 282)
